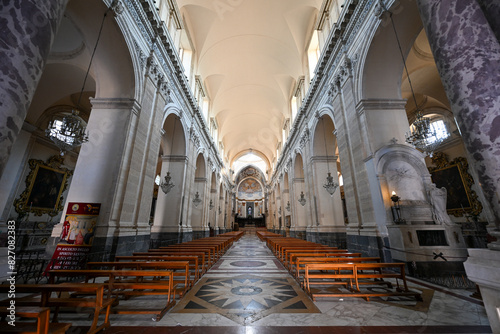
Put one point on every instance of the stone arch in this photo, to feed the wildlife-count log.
(401, 169)
(199, 197)
(381, 66)
(112, 66)
(324, 142)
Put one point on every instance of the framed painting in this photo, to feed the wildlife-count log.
(461, 199)
(458, 196)
(45, 185)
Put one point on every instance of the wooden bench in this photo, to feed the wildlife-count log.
(41, 326)
(236, 234)
(291, 254)
(194, 263)
(127, 283)
(42, 296)
(180, 288)
(301, 261)
(287, 249)
(357, 274)
(210, 256)
(293, 257)
(202, 256)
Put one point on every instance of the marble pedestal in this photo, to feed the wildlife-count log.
(425, 247)
(483, 268)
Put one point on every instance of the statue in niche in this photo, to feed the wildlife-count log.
(437, 197)
(249, 212)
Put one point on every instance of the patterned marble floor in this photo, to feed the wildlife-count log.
(249, 291)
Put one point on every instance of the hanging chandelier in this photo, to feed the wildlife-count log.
(421, 135)
(330, 185)
(70, 132)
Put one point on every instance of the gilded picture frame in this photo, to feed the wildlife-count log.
(453, 175)
(45, 185)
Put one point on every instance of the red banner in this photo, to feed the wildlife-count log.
(76, 236)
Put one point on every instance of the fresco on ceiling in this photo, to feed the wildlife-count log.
(250, 189)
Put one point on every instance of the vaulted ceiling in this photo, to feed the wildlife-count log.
(249, 54)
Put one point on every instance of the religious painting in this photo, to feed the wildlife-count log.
(250, 189)
(450, 178)
(45, 185)
(457, 181)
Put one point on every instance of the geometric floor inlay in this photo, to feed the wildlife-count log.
(245, 298)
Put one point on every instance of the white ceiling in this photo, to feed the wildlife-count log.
(249, 54)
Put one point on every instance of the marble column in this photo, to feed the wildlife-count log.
(28, 30)
(467, 55)
(491, 10)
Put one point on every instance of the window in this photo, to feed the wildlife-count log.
(440, 129)
(313, 53)
(249, 159)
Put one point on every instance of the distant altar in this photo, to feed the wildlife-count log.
(250, 221)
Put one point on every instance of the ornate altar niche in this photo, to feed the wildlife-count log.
(250, 198)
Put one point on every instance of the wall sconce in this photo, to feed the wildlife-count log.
(302, 200)
(167, 185)
(396, 209)
(288, 206)
(211, 205)
(196, 200)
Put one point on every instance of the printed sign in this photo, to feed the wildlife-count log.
(76, 236)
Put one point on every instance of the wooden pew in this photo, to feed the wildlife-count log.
(42, 296)
(202, 256)
(302, 249)
(217, 248)
(179, 269)
(120, 283)
(291, 254)
(317, 273)
(236, 234)
(210, 256)
(194, 263)
(300, 262)
(41, 326)
(357, 274)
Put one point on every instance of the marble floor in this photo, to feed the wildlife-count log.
(249, 291)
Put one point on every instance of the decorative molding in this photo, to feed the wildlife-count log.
(305, 137)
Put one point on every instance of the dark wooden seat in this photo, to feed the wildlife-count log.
(126, 283)
(194, 263)
(41, 325)
(180, 269)
(301, 261)
(352, 275)
(50, 295)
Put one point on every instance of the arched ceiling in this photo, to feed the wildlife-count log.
(250, 54)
